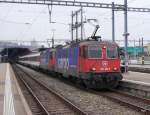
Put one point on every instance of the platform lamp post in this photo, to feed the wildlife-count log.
(142, 46)
(48, 42)
(142, 51)
(53, 31)
(7, 53)
(65, 24)
(51, 40)
(126, 34)
(113, 22)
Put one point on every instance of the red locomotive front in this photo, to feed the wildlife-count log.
(99, 64)
(99, 58)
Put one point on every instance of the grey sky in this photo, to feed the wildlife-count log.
(28, 22)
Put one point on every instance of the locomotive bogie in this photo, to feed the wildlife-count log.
(101, 80)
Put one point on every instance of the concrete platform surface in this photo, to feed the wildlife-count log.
(140, 66)
(12, 101)
(137, 76)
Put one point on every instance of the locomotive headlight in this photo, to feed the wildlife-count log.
(93, 69)
(115, 69)
(104, 47)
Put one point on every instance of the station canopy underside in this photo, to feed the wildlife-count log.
(14, 52)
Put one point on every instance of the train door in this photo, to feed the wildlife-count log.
(53, 60)
(82, 58)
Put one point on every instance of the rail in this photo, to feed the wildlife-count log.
(64, 106)
(134, 102)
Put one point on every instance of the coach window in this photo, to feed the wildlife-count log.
(94, 52)
(112, 52)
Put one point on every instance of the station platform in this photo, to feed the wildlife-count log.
(136, 83)
(12, 101)
(138, 77)
(140, 66)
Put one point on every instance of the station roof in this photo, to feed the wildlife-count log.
(14, 52)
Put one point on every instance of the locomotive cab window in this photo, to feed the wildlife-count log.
(94, 52)
(112, 52)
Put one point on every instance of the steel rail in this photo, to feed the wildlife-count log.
(66, 101)
(145, 110)
(132, 96)
(142, 109)
(32, 93)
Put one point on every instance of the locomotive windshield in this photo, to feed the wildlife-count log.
(94, 52)
(112, 52)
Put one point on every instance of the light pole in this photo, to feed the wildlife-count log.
(126, 34)
(7, 53)
(113, 22)
(48, 42)
(53, 30)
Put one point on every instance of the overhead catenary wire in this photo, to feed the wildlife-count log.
(30, 24)
(12, 22)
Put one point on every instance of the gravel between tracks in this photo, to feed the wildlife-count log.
(98, 105)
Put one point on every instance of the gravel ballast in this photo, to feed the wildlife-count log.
(92, 103)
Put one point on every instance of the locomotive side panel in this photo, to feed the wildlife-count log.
(73, 61)
(67, 61)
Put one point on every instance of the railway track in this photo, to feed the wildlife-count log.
(34, 105)
(134, 102)
(48, 102)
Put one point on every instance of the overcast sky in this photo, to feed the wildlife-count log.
(28, 22)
